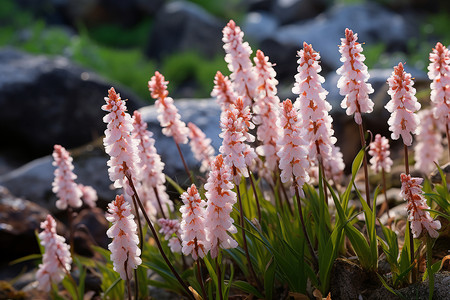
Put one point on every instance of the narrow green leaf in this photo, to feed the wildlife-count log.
(26, 258)
(269, 278)
(247, 287)
(109, 289)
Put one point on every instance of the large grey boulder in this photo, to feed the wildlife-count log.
(50, 100)
(183, 26)
(373, 23)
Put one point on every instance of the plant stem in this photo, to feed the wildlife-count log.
(411, 239)
(325, 191)
(219, 276)
(385, 204)
(199, 271)
(159, 202)
(158, 243)
(366, 171)
(308, 241)
(184, 164)
(429, 264)
(448, 137)
(71, 233)
(128, 279)
(258, 207)
(242, 224)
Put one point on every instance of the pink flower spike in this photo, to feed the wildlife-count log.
(64, 186)
(151, 168)
(418, 216)
(439, 72)
(219, 206)
(201, 147)
(266, 111)
(354, 76)
(293, 153)
(56, 261)
(89, 195)
(239, 63)
(125, 240)
(192, 226)
(379, 150)
(119, 144)
(168, 115)
(169, 228)
(223, 91)
(429, 142)
(403, 122)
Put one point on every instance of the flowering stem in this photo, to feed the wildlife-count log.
(385, 204)
(284, 193)
(128, 279)
(159, 202)
(74, 283)
(366, 172)
(308, 241)
(448, 137)
(219, 276)
(184, 164)
(256, 195)
(242, 224)
(71, 233)
(411, 239)
(199, 271)
(141, 243)
(325, 191)
(158, 243)
(429, 264)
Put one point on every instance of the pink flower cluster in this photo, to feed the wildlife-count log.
(266, 111)
(219, 206)
(64, 186)
(403, 122)
(193, 234)
(223, 91)
(239, 63)
(119, 144)
(439, 72)
(56, 262)
(201, 147)
(171, 231)
(89, 195)
(429, 142)
(168, 115)
(235, 123)
(418, 217)
(314, 109)
(293, 153)
(150, 168)
(379, 150)
(354, 76)
(124, 250)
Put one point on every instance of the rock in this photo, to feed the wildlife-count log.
(258, 26)
(46, 101)
(19, 219)
(183, 26)
(205, 113)
(436, 175)
(90, 227)
(288, 11)
(372, 22)
(259, 5)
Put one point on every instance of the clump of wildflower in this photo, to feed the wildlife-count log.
(151, 168)
(169, 228)
(64, 186)
(89, 195)
(239, 63)
(219, 206)
(56, 261)
(379, 150)
(266, 111)
(223, 91)
(418, 216)
(293, 153)
(429, 142)
(192, 226)
(201, 147)
(403, 122)
(354, 76)
(119, 144)
(124, 250)
(439, 72)
(168, 115)
(313, 108)
(237, 154)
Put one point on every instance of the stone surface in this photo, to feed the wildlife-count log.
(183, 26)
(258, 26)
(90, 226)
(289, 11)
(46, 101)
(372, 22)
(19, 218)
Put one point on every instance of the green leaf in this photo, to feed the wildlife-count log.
(177, 187)
(109, 289)
(269, 278)
(247, 287)
(389, 288)
(26, 258)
